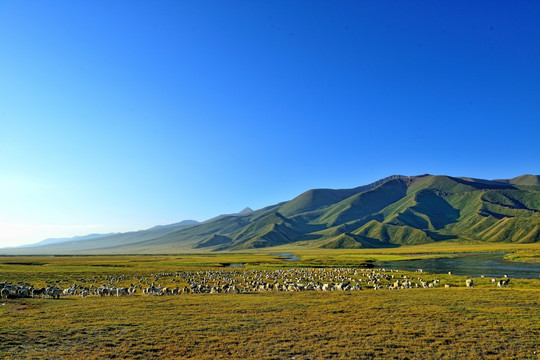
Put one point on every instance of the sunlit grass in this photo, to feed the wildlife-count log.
(426, 323)
(447, 323)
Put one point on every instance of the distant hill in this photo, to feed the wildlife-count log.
(60, 245)
(394, 211)
(63, 240)
(181, 223)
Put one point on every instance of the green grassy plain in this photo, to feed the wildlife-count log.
(446, 323)
(416, 324)
(515, 252)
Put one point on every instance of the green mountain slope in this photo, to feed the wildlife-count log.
(395, 211)
(365, 203)
(524, 180)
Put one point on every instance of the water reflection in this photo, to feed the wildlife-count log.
(287, 257)
(490, 265)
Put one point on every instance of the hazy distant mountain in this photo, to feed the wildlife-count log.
(394, 211)
(181, 223)
(62, 240)
(60, 245)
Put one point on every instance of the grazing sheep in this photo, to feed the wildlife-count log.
(4, 293)
(236, 281)
(37, 292)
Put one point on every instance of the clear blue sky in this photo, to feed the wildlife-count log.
(122, 115)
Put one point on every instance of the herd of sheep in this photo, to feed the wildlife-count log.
(230, 281)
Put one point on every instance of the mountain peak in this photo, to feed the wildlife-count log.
(396, 210)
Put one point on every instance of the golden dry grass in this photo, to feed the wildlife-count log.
(446, 323)
(416, 324)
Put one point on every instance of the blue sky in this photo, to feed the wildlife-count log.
(121, 115)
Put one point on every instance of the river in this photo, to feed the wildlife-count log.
(489, 265)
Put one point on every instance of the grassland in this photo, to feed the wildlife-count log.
(515, 252)
(427, 323)
(447, 323)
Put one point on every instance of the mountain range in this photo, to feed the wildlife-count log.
(63, 240)
(394, 211)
